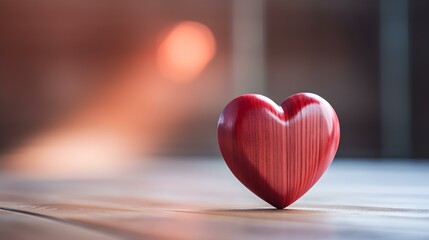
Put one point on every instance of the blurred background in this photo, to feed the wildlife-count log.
(88, 86)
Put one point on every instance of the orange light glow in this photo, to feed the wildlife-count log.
(185, 51)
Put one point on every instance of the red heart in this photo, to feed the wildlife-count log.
(278, 152)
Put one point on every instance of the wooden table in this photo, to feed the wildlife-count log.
(200, 199)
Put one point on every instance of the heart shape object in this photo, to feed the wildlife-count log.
(278, 152)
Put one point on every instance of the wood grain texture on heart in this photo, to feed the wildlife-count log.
(278, 152)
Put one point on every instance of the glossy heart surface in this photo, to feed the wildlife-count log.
(278, 152)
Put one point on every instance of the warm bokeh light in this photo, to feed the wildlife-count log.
(105, 134)
(185, 51)
(70, 154)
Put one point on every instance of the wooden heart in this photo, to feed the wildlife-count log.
(278, 152)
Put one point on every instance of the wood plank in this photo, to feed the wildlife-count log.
(14, 225)
(202, 200)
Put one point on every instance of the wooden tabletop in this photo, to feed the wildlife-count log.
(200, 199)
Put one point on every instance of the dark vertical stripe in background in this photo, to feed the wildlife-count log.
(394, 79)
